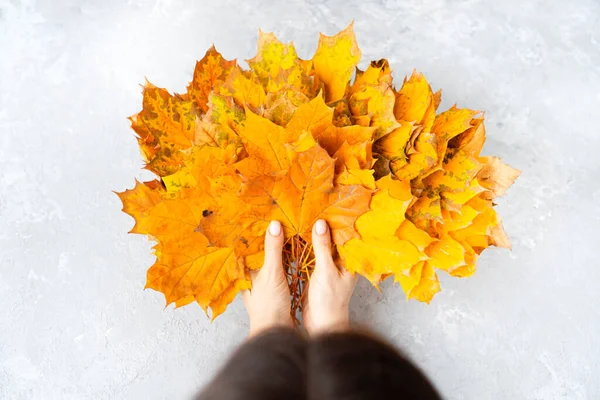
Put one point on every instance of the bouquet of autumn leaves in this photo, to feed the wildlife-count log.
(405, 191)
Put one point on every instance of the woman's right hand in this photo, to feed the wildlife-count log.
(329, 290)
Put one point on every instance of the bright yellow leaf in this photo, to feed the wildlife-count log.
(335, 60)
(428, 284)
(272, 57)
(374, 258)
(409, 232)
(446, 254)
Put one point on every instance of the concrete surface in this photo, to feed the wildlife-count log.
(74, 320)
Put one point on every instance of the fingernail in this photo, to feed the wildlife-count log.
(321, 227)
(274, 228)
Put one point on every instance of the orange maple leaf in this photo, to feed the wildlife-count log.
(307, 193)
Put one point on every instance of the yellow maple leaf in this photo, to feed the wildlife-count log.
(371, 97)
(272, 57)
(314, 116)
(379, 251)
(265, 141)
(279, 69)
(420, 283)
(415, 102)
(335, 60)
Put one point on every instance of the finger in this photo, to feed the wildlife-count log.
(321, 238)
(273, 247)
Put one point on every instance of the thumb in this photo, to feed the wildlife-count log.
(321, 238)
(273, 248)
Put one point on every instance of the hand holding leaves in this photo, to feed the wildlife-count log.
(268, 302)
(329, 290)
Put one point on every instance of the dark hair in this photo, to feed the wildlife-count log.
(281, 364)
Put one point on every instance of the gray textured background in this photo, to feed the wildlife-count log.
(74, 320)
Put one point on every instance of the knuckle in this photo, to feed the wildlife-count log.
(322, 243)
(273, 245)
(270, 249)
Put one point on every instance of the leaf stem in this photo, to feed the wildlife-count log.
(298, 262)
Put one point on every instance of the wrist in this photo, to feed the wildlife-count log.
(333, 321)
(264, 323)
